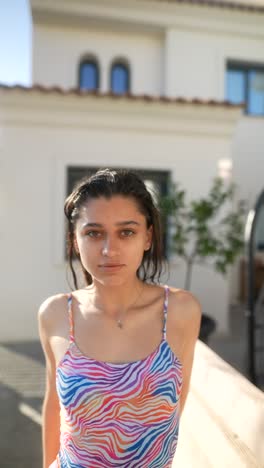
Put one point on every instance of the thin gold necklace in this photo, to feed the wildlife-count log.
(119, 321)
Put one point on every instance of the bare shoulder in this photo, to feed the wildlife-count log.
(50, 310)
(186, 308)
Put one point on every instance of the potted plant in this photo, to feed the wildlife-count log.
(205, 231)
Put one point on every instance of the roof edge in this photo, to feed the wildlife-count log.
(231, 5)
(128, 96)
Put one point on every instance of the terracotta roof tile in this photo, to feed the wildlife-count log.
(134, 97)
(256, 6)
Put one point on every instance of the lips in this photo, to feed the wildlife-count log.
(111, 265)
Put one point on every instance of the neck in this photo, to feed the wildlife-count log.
(113, 300)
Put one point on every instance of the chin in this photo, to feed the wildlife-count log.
(111, 280)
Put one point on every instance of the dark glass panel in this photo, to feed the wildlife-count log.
(119, 79)
(236, 86)
(89, 78)
(256, 92)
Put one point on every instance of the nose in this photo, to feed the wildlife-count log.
(110, 248)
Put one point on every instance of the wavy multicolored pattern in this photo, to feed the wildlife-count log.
(119, 415)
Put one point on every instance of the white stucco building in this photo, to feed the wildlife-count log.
(174, 122)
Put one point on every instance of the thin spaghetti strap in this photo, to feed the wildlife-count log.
(165, 311)
(71, 336)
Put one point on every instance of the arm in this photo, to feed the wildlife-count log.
(50, 409)
(191, 333)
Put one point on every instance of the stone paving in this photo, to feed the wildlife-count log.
(22, 384)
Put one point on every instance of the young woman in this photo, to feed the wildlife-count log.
(119, 351)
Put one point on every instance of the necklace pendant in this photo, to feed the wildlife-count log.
(119, 323)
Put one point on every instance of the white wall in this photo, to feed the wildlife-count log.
(248, 149)
(196, 60)
(43, 134)
(58, 50)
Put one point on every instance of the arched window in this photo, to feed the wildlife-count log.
(89, 74)
(120, 78)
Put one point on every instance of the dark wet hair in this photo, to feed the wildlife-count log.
(108, 183)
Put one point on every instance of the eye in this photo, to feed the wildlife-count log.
(94, 234)
(127, 233)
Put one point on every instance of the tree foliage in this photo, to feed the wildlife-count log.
(205, 230)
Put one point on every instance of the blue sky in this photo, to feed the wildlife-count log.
(15, 42)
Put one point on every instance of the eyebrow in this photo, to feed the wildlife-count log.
(120, 223)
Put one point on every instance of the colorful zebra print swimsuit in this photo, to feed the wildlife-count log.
(118, 415)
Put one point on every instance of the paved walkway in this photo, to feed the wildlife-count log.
(22, 384)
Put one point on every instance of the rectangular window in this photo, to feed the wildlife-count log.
(156, 182)
(245, 83)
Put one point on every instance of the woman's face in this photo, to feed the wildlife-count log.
(111, 236)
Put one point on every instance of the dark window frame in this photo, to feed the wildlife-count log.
(245, 67)
(160, 177)
(123, 64)
(93, 61)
